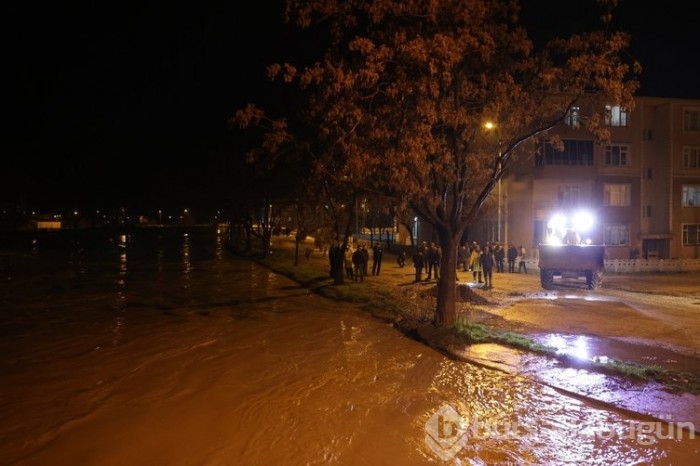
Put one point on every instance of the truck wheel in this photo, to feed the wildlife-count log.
(547, 278)
(593, 279)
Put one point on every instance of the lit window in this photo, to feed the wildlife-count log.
(568, 196)
(691, 119)
(616, 195)
(691, 156)
(572, 117)
(691, 234)
(616, 156)
(690, 196)
(617, 235)
(615, 116)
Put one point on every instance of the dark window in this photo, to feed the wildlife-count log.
(616, 155)
(691, 234)
(691, 156)
(576, 153)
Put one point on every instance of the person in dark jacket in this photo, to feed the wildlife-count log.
(512, 254)
(418, 264)
(433, 261)
(336, 258)
(358, 260)
(487, 262)
(463, 258)
(499, 253)
(377, 255)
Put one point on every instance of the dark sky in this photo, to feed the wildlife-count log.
(664, 37)
(121, 103)
(126, 103)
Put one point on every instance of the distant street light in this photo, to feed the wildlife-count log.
(491, 126)
(500, 196)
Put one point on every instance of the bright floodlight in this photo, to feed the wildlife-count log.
(582, 221)
(556, 228)
(557, 222)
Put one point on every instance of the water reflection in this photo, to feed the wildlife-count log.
(493, 421)
(219, 244)
(597, 349)
(186, 259)
(570, 345)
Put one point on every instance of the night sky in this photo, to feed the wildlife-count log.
(126, 104)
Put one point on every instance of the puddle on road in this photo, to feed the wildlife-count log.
(554, 295)
(591, 348)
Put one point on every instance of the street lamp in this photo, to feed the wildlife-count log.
(160, 217)
(499, 198)
(491, 126)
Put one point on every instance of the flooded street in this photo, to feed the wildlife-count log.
(159, 347)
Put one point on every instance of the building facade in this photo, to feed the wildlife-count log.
(642, 187)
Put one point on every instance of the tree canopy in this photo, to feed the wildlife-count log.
(403, 91)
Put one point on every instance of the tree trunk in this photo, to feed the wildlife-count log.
(446, 312)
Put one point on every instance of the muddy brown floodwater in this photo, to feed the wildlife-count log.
(648, 318)
(159, 348)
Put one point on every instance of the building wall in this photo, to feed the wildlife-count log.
(656, 234)
(654, 172)
(680, 175)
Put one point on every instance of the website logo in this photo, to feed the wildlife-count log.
(446, 432)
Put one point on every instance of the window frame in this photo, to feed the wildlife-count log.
(573, 116)
(691, 119)
(617, 231)
(576, 153)
(686, 233)
(691, 191)
(626, 198)
(569, 196)
(616, 115)
(691, 157)
(623, 155)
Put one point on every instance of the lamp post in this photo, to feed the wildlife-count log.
(499, 197)
(491, 126)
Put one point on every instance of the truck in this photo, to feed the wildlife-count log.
(567, 255)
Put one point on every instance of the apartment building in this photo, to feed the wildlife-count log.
(642, 187)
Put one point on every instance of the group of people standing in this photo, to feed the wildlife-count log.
(357, 261)
(481, 262)
(516, 254)
(428, 258)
